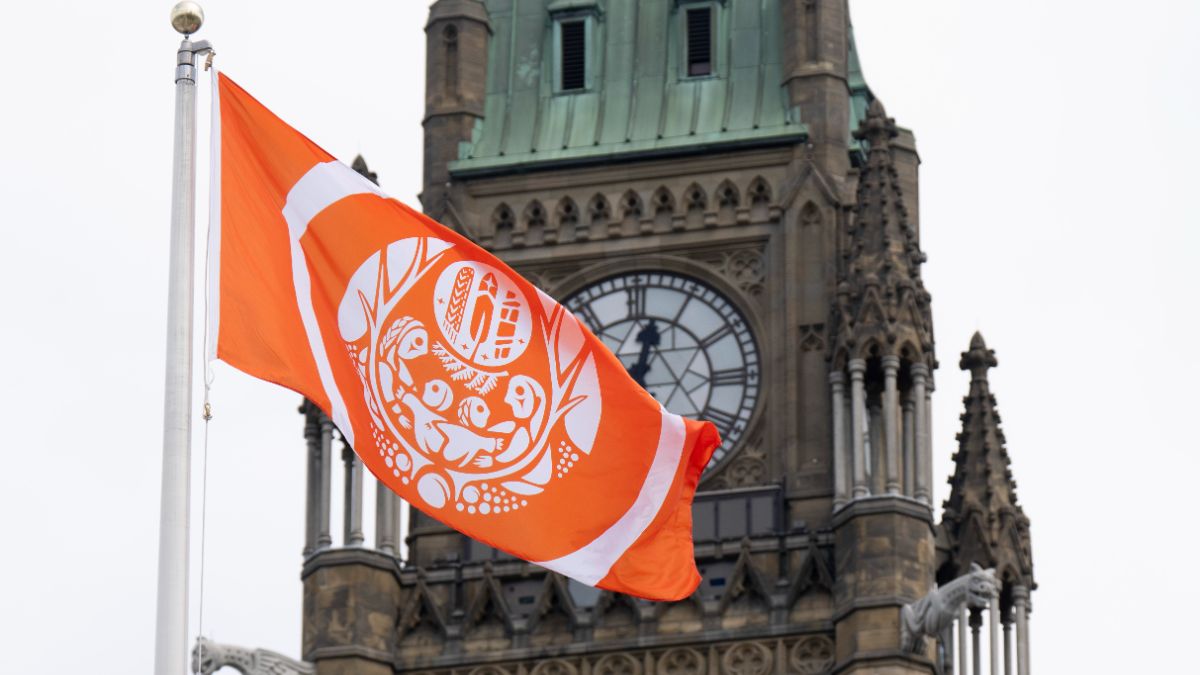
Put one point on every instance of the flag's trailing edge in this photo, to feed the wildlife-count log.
(212, 291)
(463, 388)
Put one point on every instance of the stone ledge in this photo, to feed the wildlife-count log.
(450, 112)
(334, 557)
(758, 160)
(707, 639)
(879, 504)
(349, 651)
(641, 249)
(813, 69)
(619, 153)
(467, 10)
(877, 602)
(895, 658)
(727, 549)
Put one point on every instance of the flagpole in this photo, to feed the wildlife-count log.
(170, 648)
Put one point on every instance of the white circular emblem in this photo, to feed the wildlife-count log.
(466, 411)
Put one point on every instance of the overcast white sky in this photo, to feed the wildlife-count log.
(1058, 211)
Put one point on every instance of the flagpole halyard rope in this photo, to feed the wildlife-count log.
(203, 518)
(207, 416)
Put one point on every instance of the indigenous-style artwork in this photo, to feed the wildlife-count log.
(462, 387)
(459, 405)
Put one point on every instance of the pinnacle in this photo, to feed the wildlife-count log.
(983, 479)
(879, 295)
(360, 165)
(877, 128)
(978, 358)
(876, 109)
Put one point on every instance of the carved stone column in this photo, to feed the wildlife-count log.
(352, 533)
(397, 525)
(963, 651)
(848, 434)
(324, 537)
(858, 425)
(1021, 609)
(909, 442)
(947, 656)
(1006, 624)
(994, 632)
(875, 454)
(385, 523)
(312, 492)
(926, 450)
(891, 431)
(920, 372)
(837, 384)
(976, 650)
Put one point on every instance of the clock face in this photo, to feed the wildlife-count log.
(681, 340)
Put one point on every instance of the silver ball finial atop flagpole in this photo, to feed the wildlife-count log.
(187, 17)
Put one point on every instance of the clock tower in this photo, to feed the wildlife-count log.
(713, 189)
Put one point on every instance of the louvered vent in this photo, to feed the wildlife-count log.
(699, 41)
(574, 43)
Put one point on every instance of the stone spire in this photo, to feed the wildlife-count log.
(360, 165)
(881, 299)
(982, 521)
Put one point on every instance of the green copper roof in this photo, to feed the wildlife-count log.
(638, 100)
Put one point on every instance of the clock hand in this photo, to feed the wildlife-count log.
(649, 338)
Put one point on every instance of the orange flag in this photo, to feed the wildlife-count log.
(463, 388)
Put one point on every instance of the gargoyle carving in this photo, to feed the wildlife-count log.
(209, 657)
(933, 613)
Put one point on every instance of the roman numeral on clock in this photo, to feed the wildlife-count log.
(722, 419)
(636, 301)
(715, 336)
(721, 378)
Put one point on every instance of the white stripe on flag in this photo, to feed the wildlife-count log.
(324, 185)
(592, 562)
(213, 300)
